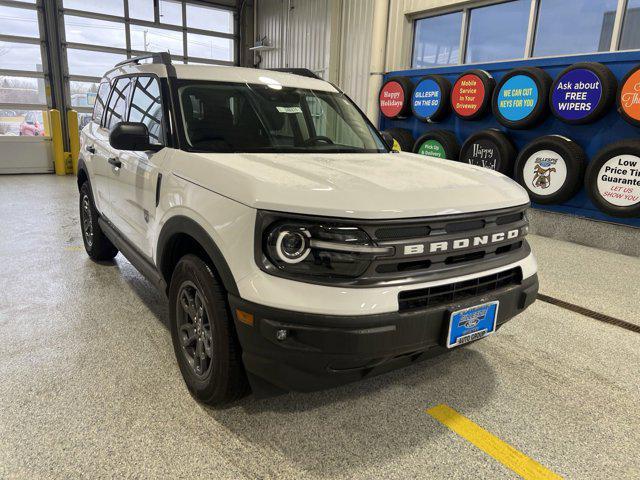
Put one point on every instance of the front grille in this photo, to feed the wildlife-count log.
(458, 291)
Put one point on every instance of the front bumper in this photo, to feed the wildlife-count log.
(323, 351)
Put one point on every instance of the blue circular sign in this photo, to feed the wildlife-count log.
(518, 97)
(577, 93)
(426, 98)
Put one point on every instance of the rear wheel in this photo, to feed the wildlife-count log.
(97, 245)
(204, 341)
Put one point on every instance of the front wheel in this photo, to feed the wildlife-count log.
(96, 243)
(204, 341)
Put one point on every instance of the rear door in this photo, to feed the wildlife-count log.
(92, 143)
(133, 195)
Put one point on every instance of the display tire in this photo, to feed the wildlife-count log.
(574, 160)
(504, 150)
(447, 140)
(609, 88)
(96, 244)
(403, 137)
(488, 82)
(444, 106)
(225, 380)
(407, 89)
(623, 147)
(543, 83)
(629, 119)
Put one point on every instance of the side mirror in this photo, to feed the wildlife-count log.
(388, 139)
(130, 136)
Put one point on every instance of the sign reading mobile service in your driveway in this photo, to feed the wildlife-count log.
(467, 95)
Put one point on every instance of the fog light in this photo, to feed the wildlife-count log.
(281, 334)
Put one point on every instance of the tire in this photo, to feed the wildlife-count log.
(221, 378)
(438, 144)
(403, 137)
(587, 72)
(521, 117)
(484, 83)
(626, 98)
(551, 169)
(490, 149)
(431, 84)
(619, 198)
(392, 106)
(96, 243)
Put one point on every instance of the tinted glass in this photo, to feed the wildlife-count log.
(149, 39)
(215, 48)
(19, 21)
(146, 107)
(117, 102)
(263, 118)
(101, 100)
(20, 56)
(209, 18)
(574, 26)
(631, 27)
(94, 32)
(486, 43)
(437, 40)
(109, 7)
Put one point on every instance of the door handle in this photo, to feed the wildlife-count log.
(115, 162)
(90, 149)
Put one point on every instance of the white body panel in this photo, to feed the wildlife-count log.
(222, 192)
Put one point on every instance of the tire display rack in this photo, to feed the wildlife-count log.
(607, 128)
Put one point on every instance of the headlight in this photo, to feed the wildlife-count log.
(323, 248)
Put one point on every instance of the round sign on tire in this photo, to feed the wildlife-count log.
(438, 144)
(490, 149)
(551, 169)
(582, 93)
(430, 99)
(471, 94)
(394, 98)
(520, 99)
(612, 180)
(629, 97)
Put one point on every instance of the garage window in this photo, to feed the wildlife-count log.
(486, 43)
(437, 40)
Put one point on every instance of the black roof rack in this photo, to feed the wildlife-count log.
(157, 57)
(304, 72)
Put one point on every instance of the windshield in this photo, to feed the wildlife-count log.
(236, 117)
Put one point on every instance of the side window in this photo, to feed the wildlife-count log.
(117, 103)
(101, 99)
(146, 107)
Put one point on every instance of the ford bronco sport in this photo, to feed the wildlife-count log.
(297, 252)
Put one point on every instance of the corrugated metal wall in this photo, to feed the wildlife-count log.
(304, 43)
(355, 49)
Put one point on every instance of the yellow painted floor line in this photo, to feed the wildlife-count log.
(491, 445)
(74, 248)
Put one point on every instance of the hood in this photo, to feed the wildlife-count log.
(368, 186)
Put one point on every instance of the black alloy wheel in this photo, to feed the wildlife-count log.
(87, 221)
(194, 329)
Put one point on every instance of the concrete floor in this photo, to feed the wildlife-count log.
(89, 386)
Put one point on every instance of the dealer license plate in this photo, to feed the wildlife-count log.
(472, 323)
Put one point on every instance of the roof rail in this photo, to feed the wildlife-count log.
(157, 57)
(304, 72)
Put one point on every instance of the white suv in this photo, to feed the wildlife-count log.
(297, 251)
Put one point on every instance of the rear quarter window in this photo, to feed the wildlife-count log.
(101, 100)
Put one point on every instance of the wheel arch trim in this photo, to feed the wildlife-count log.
(181, 224)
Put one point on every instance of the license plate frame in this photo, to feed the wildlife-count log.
(478, 326)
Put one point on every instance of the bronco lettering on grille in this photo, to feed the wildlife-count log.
(461, 243)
